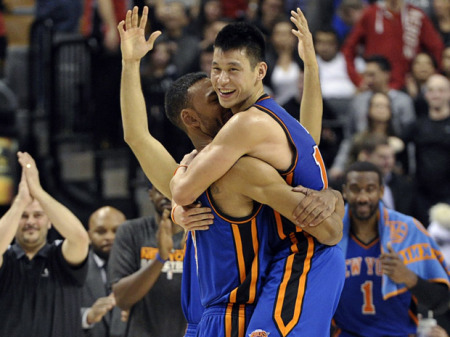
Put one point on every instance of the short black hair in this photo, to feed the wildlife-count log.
(177, 98)
(242, 35)
(382, 62)
(364, 166)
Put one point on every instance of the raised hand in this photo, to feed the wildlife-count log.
(133, 44)
(392, 266)
(305, 42)
(30, 171)
(23, 194)
(165, 240)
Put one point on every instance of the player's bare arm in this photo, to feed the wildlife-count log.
(311, 109)
(261, 182)
(154, 159)
(250, 132)
(156, 162)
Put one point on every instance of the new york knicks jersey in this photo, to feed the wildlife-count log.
(232, 256)
(299, 297)
(364, 312)
(190, 293)
(307, 167)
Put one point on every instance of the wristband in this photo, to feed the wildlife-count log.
(181, 165)
(172, 214)
(160, 259)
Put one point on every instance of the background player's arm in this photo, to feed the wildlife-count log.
(154, 159)
(311, 109)
(262, 183)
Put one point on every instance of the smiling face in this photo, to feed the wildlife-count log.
(33, 227)
(363, 191)
(237, 83)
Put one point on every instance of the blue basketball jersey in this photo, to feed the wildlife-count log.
(232, 259)
(289, 302)
(365, 313)
(190, 293)
(232, 256)
(307, 168)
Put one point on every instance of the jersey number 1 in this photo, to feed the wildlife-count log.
(368, 307)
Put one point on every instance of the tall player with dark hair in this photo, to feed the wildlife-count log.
(260, 128)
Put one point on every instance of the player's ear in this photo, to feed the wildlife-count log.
(189, 118)
(262, 70)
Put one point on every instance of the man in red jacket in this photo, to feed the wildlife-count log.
(396, 30)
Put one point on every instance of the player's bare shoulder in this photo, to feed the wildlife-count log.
(252, 119)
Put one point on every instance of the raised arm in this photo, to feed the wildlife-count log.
(76, 244)
(311, 109)
(10, 220)
(154, 159)
(262, 183)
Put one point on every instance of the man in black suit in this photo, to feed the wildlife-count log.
(100, 317)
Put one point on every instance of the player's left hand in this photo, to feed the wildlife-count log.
(392, 266)
(315, 207)
(305, 41)
(193, 217)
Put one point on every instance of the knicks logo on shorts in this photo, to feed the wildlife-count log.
(259, 333)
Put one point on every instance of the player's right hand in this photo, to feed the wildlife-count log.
(193, 217)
